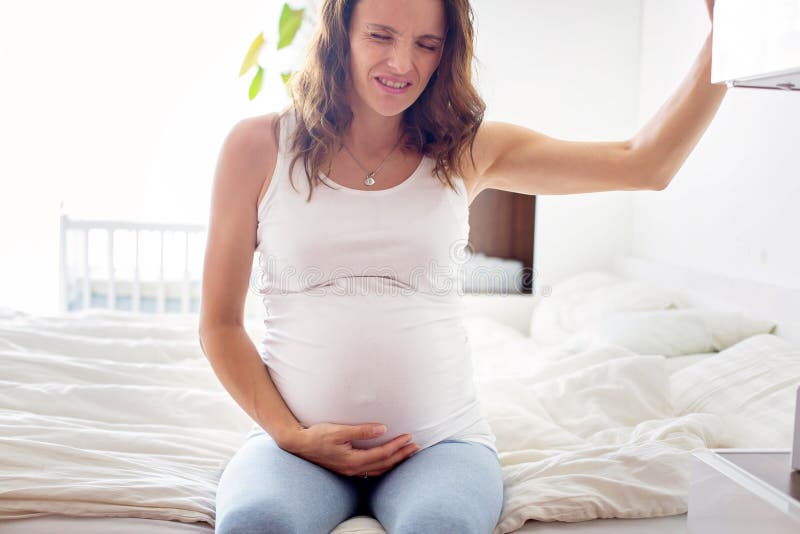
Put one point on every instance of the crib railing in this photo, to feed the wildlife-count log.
(85, 287)
(80, 288)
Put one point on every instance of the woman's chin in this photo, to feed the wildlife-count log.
(390, 108)
(389, 111)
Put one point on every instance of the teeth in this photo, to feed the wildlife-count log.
(396, 85)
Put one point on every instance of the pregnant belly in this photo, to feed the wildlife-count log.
(400, 360)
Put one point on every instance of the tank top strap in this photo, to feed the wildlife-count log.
(282, 161)
(288, 123)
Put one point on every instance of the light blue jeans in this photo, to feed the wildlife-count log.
(453, 486)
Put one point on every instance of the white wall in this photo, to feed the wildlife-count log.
(118, 109)
(570, 69)
(732, 208)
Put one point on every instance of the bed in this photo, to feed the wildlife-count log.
(112, 421)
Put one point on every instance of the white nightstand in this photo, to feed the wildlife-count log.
(743, 491)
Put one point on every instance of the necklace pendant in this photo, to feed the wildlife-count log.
(369, 180)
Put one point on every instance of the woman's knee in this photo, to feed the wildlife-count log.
(442, 521)
(258, 518)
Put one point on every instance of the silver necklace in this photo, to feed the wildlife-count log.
(369, 179)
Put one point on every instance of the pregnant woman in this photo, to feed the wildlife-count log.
(356, 198)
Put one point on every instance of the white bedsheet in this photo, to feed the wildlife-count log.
(592, 435)
(97, 426)
(139, 426)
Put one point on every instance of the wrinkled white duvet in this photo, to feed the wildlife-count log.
(593, 435)
(104, 417)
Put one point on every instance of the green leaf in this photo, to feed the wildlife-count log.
(255, 85)
(288, 25)
(252, 55)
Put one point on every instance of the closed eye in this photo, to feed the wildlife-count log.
(387, 38)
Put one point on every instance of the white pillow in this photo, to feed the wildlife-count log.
(586, 281)
(729, 328)
(752, 385)
(670, 332)
(588, 297)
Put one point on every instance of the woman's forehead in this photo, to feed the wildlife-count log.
(414, 18)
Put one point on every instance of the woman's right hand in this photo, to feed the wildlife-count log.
(328, 445)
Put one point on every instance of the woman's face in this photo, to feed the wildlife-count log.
(394, 41)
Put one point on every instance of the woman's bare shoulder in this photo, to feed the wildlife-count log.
(261, 133)
(257, 139)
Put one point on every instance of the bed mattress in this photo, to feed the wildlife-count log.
(361, 524)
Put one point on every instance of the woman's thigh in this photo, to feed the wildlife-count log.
(267, 489)
(451, 487)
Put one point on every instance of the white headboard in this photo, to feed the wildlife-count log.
(708, 290)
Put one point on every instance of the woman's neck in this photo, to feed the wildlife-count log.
(371, 134)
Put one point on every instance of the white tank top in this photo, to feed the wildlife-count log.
(362, 291)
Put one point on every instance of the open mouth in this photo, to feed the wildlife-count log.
(392, 87)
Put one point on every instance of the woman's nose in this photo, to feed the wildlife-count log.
(400, 58)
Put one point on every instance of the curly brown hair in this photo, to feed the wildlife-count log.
(441, 123)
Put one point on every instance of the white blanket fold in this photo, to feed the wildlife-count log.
(592, 435)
